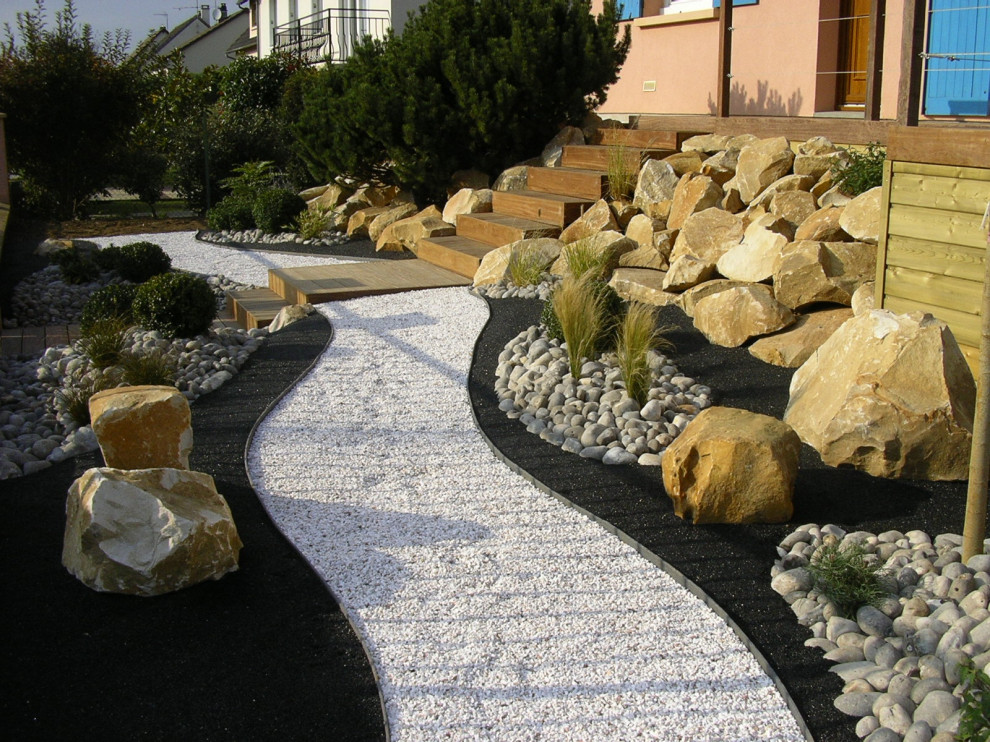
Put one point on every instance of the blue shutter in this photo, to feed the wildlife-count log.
(959, 85)
(630, 9)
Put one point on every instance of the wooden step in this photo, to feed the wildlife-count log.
(501, 229)
(591, 184)
(322, 283)
(595, 157)
(643, 138)
(461, 255)
(254, 308)
(544, 207)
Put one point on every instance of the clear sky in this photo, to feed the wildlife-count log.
(137, 16)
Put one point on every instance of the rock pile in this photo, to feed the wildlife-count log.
(900, 661)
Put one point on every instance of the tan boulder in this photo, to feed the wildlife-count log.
(684, 162)
(332, 197)
(690, 298)
(360, 220)
(388, 217)
(786, 184)
(374, 195)
(142, 427)
(694, 193)
(624, 212)
(822, 226)
(567, 137)
(642, 285)
(644, 257)
(760, 164)
(655, 185)
(598, 218)
(341, 215)
(817, 146)
(707, 143)
(732, 466)
(731, 317)
(721, 167)
(467, 201)
(147, 531)
(308, 194)
(289, 315)
(794, 206)
(811, 272)
(708, 234)
(891, 395)
(405, 234)
(610, 244)
(742, 140)
(474, 180)
(495, 264)
(756, 258)
(732, 202)
(864, 298)
(514, 179)
(792, 347)
(861, 217)
(642, 229)
(834, 197)
(823, 185)
(687, 271)
(816, 165)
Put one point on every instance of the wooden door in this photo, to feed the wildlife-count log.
(854, 40)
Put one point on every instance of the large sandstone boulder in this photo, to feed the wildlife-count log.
(861, 217)
(822, 226)
(708, 235)
(405, 234)
(360, 220)
(513, 179)
(611, 244)
(690, 298)
(732, 466)
(864, 298)
(388, 217)
(495, 264)
(721, 167)
(707, 143)
(817, 165)
(467, 201)
(566, 137)
(308, 194)
(599, 218)
(624, 211)
(891, 395)
(792, 347)
(687, 271)
(794, 206)
(760, 164)
(757, 256)
(147, 531)
(643, 285)
(142, 427)
(684, 162)
(730, 318)
(694, 193)
(811, 272)
(331, 197)
(655, 186)
(817, 146)
(787, 184)
(643, 229)
(374, 195)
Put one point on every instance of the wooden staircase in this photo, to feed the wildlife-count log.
(554, 197)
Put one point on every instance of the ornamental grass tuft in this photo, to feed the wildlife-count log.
(620, 176)
(637, 334)
(584, 260)
(580, 310)
(526, 266)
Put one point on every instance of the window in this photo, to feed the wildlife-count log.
(630, 9)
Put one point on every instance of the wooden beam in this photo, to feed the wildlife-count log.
(960, 147)
(724, 89)
(839, 130)
(874, 59)
(912, 45)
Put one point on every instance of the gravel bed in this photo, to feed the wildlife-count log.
(490, 609)
(256, 236)
(901, 659)
(505, 289)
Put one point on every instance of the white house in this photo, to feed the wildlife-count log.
(318, 29)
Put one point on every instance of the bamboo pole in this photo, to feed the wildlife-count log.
(975, 527)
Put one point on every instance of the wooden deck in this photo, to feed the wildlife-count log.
(323, 283)
(32, 341)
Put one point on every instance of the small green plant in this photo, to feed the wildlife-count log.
(548, 318)
(154, 368)
(313, 223)
(583, 259)
(108, 258)
(974, 714)
(75, 266)
(175, 304)
(110, 302)
(844, 575)
(104, 342)
(276, 209)
(73, 400)
(232, 213)
(637, 335)
(526, 266)
(863, 171)
(250, 179)
(620, 175)
(139, 261)
(580, 311)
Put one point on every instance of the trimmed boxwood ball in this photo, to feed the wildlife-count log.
(276, 209)
(175, 304)
(111, 302)
(135, 262)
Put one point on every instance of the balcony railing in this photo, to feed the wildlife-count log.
(331, 34)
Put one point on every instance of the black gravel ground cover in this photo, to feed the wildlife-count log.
(264, 653)
(730, 563)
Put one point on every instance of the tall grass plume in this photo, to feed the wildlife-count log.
(580, 310)
(637, 334)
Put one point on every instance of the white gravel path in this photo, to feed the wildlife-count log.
(491, 611)
(245, 266)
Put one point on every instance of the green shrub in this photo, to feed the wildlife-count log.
(139, 261)
(233, 213)
(76, 267)
(110, 302)
(548, 318)
(276, 209)
(843, 574)
(103, 342)
(637, 335)
(313, 223)
(108, 258)
(155, 368)
(863, 171)
(175, 304)
(974, 718)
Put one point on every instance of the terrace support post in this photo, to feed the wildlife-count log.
(975, 526)
(912, 45)
(724, 89)
(874, 59)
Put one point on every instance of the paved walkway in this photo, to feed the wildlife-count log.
(490, 610)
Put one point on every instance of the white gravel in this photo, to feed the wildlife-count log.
(245, 266)
(490, 610)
